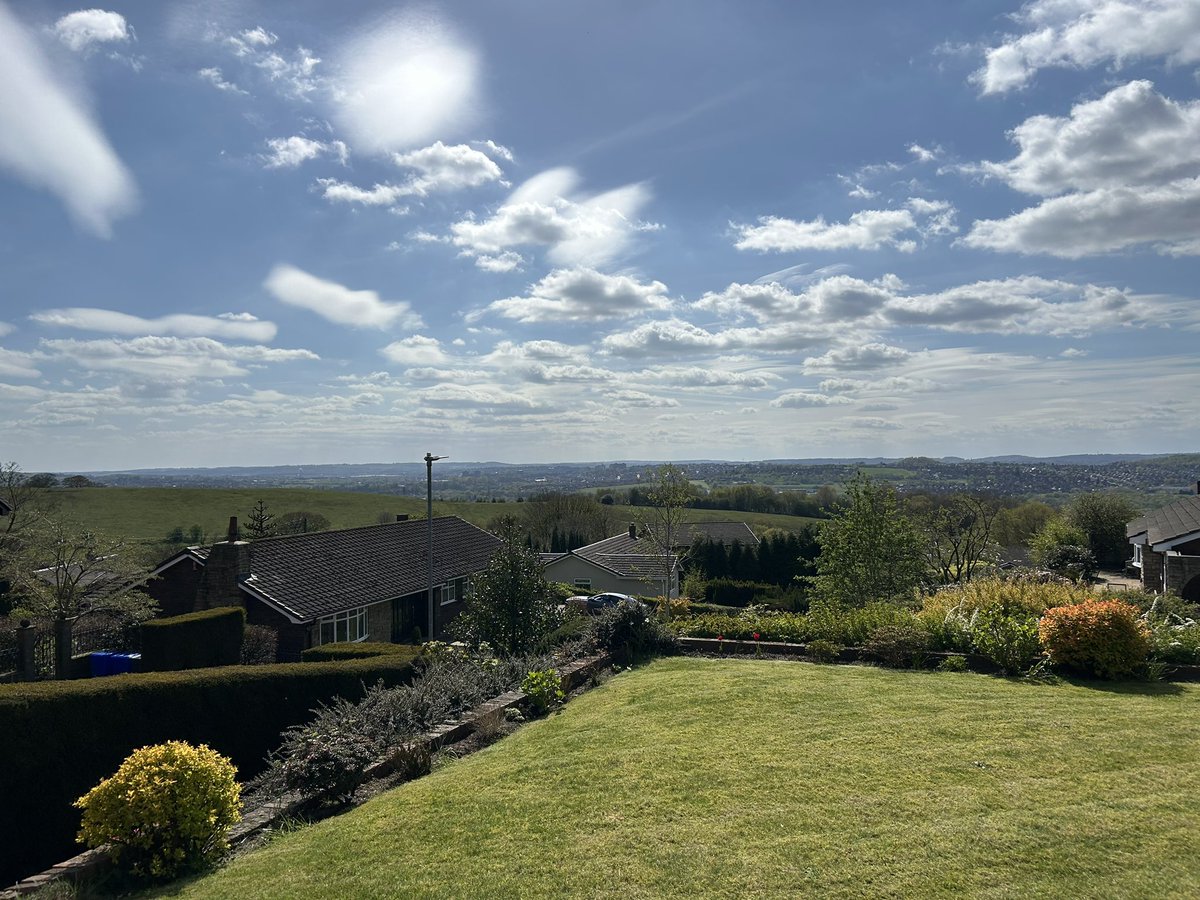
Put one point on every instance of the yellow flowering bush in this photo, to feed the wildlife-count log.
(167, 810)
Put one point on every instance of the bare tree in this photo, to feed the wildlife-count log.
(958, 534)
(664, 522)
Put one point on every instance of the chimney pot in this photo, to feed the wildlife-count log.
(233, 529)
(633, 531)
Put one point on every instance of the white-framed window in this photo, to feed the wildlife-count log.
(583, 583)
(1137, 555)
(345, 626)
(454, 591)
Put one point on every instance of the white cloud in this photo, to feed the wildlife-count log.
(85, 27)
(497, 150)
(641, 399)
(701, 377)
(1102, 221)
(1131, 135)
(803, 399)
(866, 230)
(416, 350)
(482, 397)
(5, 328)
(14, 364)
(239, 326)
(925, 154)
(855, 358)
(379, 195)
(836, 299)
(403, 82)
(1119, 172)
(49, 140)
(448, 168)
(1024, 305)
(1085, 33)
(583, 295)
(336, 302)
(168, 358)
(508, 261)
(290, 152)
(216, 78)
(440, 168)
(296, 76)
(548, 211)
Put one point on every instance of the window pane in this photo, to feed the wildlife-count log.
(326, 632)
(341, 629)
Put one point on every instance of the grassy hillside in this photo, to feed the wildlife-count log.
(148, 514)
(743, 778)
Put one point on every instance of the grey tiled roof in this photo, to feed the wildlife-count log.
(1172, 521)
(313, 575)
(628, 557)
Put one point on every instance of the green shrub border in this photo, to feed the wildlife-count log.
(208, 637)
(60, 738)
(360, 650)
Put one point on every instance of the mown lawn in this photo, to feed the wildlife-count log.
(736, 778)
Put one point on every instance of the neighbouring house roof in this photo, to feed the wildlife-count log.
(318, 574)
(720, 532)
(5, 509)
(626, 556)
(546, 558)
(1175, 521)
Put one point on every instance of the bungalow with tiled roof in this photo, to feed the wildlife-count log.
(1166, 548)
(356, 584)
(629, 563)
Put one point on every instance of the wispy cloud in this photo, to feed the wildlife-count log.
(49, 140)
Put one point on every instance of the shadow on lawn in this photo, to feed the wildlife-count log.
(1144, 688)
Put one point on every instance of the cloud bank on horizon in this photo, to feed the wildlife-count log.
(354, 234)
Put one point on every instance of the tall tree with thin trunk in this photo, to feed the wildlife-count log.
(664, 523)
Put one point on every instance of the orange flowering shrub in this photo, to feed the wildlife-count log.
(1105, 637)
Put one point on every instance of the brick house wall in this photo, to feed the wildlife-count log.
(175, 589)
(1152, 570)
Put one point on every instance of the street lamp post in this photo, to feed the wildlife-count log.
(430, 459)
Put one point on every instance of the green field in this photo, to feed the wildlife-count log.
(745, 778)
(148, 514)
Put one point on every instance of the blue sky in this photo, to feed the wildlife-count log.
(255, 233)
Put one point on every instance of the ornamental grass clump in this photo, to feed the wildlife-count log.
(166, 811)
(1102, 637)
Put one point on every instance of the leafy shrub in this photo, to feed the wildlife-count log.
(628, 632)
(349, 650)
(850, 626)
(1009, 641)
(823, 651)
(544, 689)
(328, 757)
(1063, 548)
(674, 608)
(950, 613)
(897, 646)
(167, 810)
(1104, 637)
(955, 663)
(770, 626)
(260, 645)
(1174, 628)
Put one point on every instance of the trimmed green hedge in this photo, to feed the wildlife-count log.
(59, 738)
(199, 640)
(360, 650)
(726, 592)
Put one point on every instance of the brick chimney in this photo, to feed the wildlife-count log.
(633, 531)
(228, 565)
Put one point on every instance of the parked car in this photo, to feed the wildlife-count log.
(599, 602)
